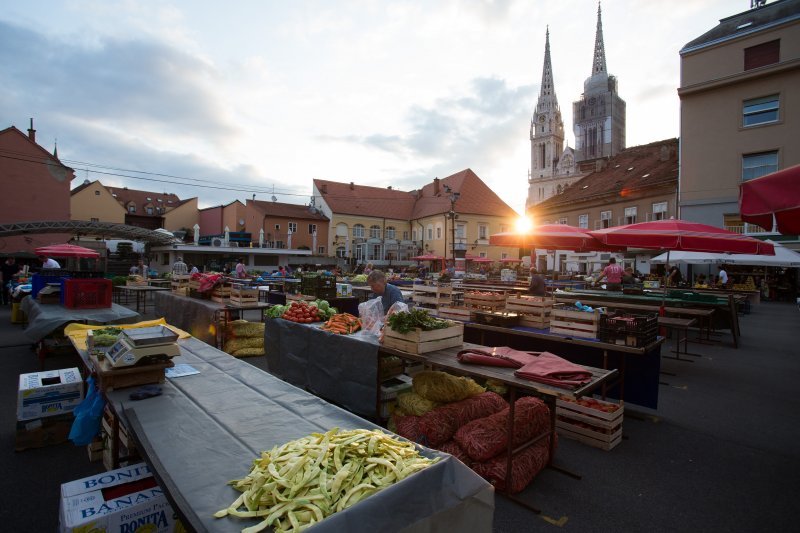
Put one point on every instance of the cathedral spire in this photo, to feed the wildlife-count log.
(547, 91)
(599, 65)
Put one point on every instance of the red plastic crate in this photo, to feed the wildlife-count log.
(87, 293)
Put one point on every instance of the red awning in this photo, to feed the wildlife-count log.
(66, 250)
(551, 237)
(776, 194)
(681, 235)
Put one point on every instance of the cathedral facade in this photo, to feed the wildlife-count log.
(598, 126)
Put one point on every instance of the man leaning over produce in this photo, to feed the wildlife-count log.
(389, 293)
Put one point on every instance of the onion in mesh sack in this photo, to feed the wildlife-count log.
(439, 426)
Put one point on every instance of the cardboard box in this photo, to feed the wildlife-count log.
(389, 391)
(49, 393)
(344, 290)
(41, 432)
(119, 501)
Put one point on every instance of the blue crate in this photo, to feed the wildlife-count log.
(40, 281)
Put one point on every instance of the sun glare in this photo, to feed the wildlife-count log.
(523, 225)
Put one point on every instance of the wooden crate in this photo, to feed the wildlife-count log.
(181, 282)
(497, 318)
(435, 295)
(570, 321)
(418, 341)
(244, 295)
(534, 311)
(132, 283)
(194, 284)
(534, 321)
(109, 378)
(590, 424)
(221, 293)
(462, 313)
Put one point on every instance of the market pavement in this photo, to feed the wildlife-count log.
(720, 453)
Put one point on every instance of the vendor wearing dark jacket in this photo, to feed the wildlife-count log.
(537, 285)
(389, 293)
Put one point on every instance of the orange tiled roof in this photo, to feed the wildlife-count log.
(352, 199)
(636, 168)
(142, 198)
(278, 209)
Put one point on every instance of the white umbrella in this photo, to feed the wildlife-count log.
(689, 258)
(261, 238)
(784, 257)
(196, 229)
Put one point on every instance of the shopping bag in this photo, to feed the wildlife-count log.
(88, 416)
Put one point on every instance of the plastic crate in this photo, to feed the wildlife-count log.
(327, 281)
(326, 294)
(628, 329)
(39, 281)
(292, 286)
(91, 293)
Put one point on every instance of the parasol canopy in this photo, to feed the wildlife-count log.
(66, 250)
(551, 237)
(776, 194)
(681, 235)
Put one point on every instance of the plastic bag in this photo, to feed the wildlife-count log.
(88, 415)
(397, 307)
(371, 315)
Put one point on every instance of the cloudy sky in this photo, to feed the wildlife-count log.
(222, 100)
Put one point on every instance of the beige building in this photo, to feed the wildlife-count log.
(91, 201)
(449, 217)
(740, 113)
(638, 185)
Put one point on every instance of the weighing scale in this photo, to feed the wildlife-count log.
(142, 346)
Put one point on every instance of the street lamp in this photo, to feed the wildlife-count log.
(453, 216)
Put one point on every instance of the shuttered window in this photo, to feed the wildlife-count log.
(762, 54)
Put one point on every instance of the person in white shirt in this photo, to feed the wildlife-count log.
(723, 276)
(49, 262)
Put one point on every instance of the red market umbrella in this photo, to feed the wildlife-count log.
(66, 250)
(551, 237)
(774, 195)
(509, 260)
(681, 235)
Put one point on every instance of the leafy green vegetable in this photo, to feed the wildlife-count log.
(405, 321)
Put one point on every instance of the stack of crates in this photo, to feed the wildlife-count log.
(40, 280)
(626, 329)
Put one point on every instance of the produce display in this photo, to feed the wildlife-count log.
(343, 324)
(106, 336)
(359, 278)
(298, 484)
(302, 312)
(405, 321)
(591, 403)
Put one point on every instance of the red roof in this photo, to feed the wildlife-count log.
(434, 198)
(278, 209)
(125, 195)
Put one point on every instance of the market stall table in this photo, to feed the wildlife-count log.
(638, 368)
(243, 411)
(45, 320)
(681, 325)
(140, 291)
(198, 317)
(159, 282)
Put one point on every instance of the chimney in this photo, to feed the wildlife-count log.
(32, 132)
(389, 187)
(352, 186)
(599, 165)
(435, 186)
(664, 153)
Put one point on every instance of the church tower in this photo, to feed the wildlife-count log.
(547, 128)
(599, 114)
(552, 167)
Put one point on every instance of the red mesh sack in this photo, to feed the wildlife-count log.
(408, 427)
(487, 437)
(453, 448)
(525, 465)
(439, 426)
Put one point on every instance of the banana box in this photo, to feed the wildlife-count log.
(126, 500)
(49, 393)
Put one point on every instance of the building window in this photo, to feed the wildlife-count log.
(405, 235)
(430, 232)
(413, 235)
(321, 250)
(757, 165)
(483, 231)
(374, 232)
(149, 210)
(760, 110)
(358, 231)
(438, 232)
(277, 227)
(340, 251)
(660, 211)
(630, 215)
(482, 254)
(762, 54)
(292, 227)
(390, 233)
(97, 193)
(504, 255)
(312, 228)
(562, 220)
(94, 220)
(605, 219)
(583, 221)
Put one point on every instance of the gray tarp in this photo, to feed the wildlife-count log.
(192, 315)
(207, 428)
(46, 319)
(339, 368)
